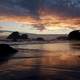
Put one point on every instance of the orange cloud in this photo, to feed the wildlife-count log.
(45, 20)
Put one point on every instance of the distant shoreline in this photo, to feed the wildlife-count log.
(36, 42)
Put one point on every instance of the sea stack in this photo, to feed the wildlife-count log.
(6, 50)
(74, 35)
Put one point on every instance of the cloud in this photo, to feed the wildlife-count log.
(41, 12)
(69, 8)
(66, 8)
(19, 7)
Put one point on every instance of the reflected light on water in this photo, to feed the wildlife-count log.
(48, 61)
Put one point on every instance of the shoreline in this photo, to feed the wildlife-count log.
(38, 42)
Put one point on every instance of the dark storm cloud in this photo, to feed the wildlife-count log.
(31, 7)
(65, 7)
(20, 7)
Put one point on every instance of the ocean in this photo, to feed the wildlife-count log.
(48, 61)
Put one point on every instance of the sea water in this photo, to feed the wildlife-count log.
(51, 61)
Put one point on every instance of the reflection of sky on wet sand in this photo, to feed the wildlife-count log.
(51, 62)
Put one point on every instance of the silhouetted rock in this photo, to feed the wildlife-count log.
(74, 35)
(24, 36)
(40, 39)
(5, 48)
(15, 36)
(6, 51)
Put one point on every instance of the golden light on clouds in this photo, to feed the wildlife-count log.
(60, 22)
(45, 20)
(48, 13)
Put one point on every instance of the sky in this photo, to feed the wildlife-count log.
(40, 16)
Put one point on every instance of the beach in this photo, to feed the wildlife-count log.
(49, 61)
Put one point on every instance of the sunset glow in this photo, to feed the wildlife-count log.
(45, 15)
(49, 22)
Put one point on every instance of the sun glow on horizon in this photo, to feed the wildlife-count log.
(50, 23)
